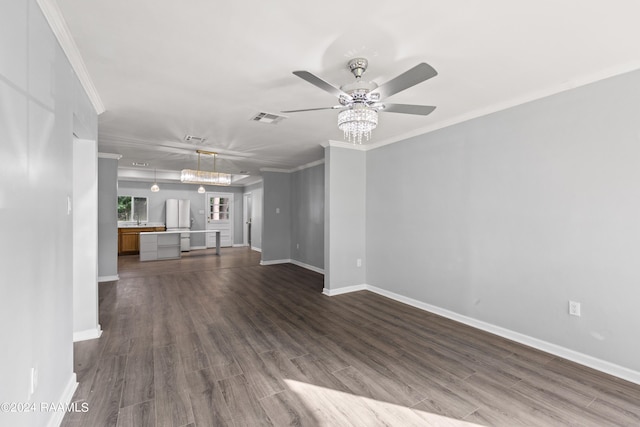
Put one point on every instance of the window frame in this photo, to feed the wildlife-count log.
(131, 215)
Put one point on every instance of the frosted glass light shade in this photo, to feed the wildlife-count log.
(191, 176)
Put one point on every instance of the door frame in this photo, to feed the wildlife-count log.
(232, 209)
(246, 217)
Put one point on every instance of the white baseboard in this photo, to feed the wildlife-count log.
(88, 334)
(196, 248)
(65, 399)
(239, 245)
(255, 248)
(345, 290)
(565, 353)
(294, 262)
(108, 278)
(275, 261)
(307, 266)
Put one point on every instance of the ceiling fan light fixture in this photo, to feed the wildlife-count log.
(358, 122)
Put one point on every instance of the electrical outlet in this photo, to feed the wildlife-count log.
(297, 245)
(574, 308)
(358, 262)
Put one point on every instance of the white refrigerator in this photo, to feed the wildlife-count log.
(178, 217)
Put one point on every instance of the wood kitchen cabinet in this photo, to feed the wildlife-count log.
(129, 239)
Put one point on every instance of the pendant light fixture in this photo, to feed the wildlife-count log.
(154, 187)
(201, 190)
(191, 176)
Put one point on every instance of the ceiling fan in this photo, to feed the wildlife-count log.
(360, 101)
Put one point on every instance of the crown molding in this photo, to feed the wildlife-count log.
(109, 156)
(347, 145)
(56, 21)
(574, 83)
(296, 169)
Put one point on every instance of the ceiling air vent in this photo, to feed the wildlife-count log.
(194, 139)
(268, 118)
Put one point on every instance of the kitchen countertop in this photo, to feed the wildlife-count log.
(134, 224)
(179, 232)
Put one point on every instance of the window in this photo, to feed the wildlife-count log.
(132, 208)
(218, 208)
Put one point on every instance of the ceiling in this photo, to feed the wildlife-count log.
(165, 69)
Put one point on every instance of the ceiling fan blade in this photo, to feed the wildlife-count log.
(411, 77)
(335, 107)
(421, 110)
(317, 81)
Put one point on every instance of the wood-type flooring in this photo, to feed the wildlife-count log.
(208, 341)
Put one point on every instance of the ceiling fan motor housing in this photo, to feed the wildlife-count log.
(358, 66)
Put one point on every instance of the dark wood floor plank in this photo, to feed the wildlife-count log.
(139, 374)
(173, 407)
(207, 402)
(139, 415)
(242, 402)
(221, 340)
(286, 409)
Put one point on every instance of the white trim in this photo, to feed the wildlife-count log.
(294, 262)
(88, 334)
(255, 248)
(275, 261)
(308, 165)
(65, 399)
(109, 156)
(108, 278)
(275, 170)
(532, 96)
(347, 145)
(54, 17)
(574, 356)
(344, 290)
(307, 266)
(238, 245)
(196, 248)
(296, 169)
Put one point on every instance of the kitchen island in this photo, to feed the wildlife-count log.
(161, 245)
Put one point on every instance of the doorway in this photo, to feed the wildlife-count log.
(219, 216)
(246, 219)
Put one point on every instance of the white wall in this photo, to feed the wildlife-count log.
(345, 218)
(256, 220)
(505, 218)
(107, 217)
(276, 216)
(307, 216)
(85, 240)
(39, 96)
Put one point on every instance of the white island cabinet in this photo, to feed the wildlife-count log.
(155, 246)
(166, 244)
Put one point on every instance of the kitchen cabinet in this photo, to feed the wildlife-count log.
(129, 239)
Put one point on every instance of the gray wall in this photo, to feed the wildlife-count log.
(107, 218)
(307, 216)
(507, 217)
(276, 214)
(345, 218)
(39, 96)
(256, 220)
(157, 200)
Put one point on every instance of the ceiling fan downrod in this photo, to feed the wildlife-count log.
(358, 66)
